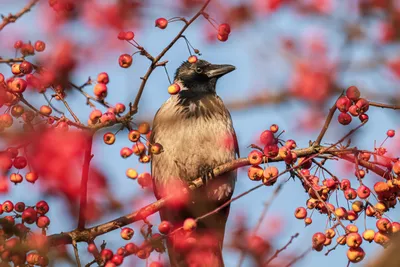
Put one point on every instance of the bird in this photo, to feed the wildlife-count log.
(196, 132)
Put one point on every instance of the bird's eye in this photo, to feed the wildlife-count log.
(199, 70)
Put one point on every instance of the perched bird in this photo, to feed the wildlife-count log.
(196, 132)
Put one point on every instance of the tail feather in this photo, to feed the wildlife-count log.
(203, 247)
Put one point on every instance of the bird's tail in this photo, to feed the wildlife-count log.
(200, 250)
(202, 247)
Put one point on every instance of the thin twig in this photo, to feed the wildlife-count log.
(326, 124)
(12, 60)
(12, 18)
(282, 249)
(381, 105)
(78, 261)
(267, 205)
(163, 52)
(302, 255)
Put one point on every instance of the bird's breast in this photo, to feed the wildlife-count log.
(191, 138)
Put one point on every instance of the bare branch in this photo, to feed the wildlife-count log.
(282, 249)
(12, 18)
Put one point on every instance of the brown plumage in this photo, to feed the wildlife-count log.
(196, 132)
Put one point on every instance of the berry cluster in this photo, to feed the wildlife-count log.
(12, 159)
(271, 149)
(352, 105)
(144, 150)
(15, 243)
(143, 251)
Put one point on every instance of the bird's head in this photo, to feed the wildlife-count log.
(201, 76)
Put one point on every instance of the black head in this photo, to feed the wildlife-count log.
(201, 77)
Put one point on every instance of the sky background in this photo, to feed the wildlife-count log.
(254, 50)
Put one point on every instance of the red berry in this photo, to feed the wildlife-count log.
(363, 117)
(18, 44)
(131, 248)
(121, 35)
(127, 233)
(117, 259)
(42, 207)
(174, 88)
(267, 138)
(25, 67)
(354, 111)
(40, 46)
(19, 207)
(129, 35)
(20, 162)
(224, 29)
(344, 118)
(18, 85)
(119, 108)
(363, 105)
(271, 151)
(31, 177)
(161, 23)
(390, 133)
(144, 179)
(353, 93)
(126, 152)
(125, 60)
(363, 192)
(42, 221)
(343, 104)
(223, 37)
(7, 206)
(29, 215)
(165, 227)
(192, 59)
(300, 213)
(106, 254)
(92, 248)
(100, 90)
(103, 78)
(16, 178)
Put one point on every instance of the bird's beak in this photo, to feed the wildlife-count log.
(219, 70)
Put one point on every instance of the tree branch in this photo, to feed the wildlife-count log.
(158, 58)
(12, 18)
(282, 249)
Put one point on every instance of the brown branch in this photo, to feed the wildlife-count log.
(87, 235)
(89, 97)
(84, 182)
(12, 60)
(267, 205)
(78, 125)
(163, 52)
(12, 18)
(282, 249)
(302, 255)
(381, 105)
(326, 124)
(334, 248)
(78, 261)
(69, 109)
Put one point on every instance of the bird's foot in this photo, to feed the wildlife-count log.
(207, 174)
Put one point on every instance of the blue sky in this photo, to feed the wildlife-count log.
(254, 50)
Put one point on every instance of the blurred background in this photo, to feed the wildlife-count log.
(293, 59)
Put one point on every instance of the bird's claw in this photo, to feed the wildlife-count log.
(207, 174)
